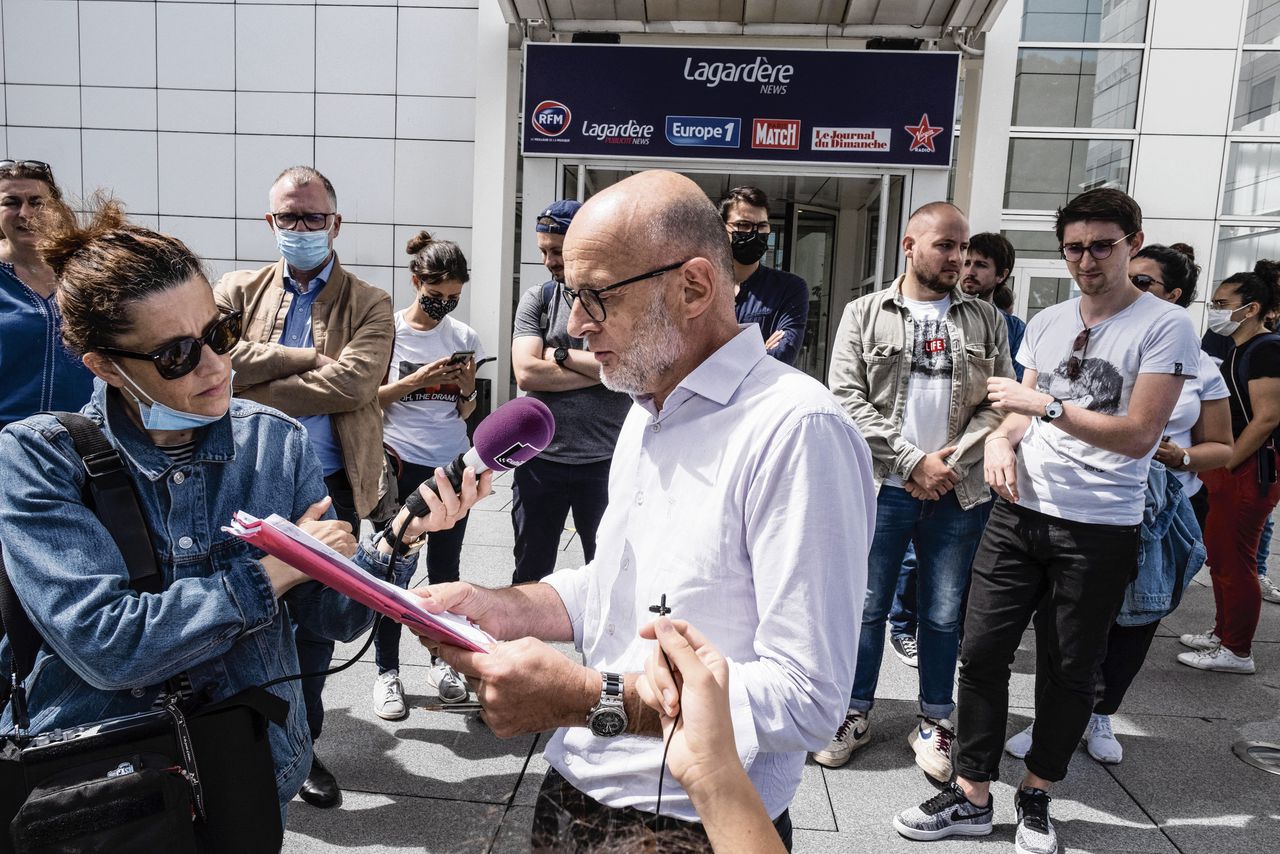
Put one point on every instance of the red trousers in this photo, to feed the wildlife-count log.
(1238, 509)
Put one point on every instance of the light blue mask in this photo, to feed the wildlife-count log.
(157, 416)
(303, 250)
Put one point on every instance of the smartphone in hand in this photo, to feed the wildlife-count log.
(461, 356)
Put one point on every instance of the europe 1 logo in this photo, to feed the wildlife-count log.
(551, 118)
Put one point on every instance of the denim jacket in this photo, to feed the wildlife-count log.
(871, 368)
(1170, 554)
(108, 650)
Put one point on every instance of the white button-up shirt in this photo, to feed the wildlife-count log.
(748, 501)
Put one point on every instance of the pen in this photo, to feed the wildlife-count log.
(454, 707)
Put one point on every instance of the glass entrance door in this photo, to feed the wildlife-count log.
(811, 243)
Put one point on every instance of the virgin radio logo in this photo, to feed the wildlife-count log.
(551, 118)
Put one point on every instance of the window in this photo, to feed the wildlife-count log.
(1253, 180)
(1076, 88)
(1044, 173)
(1114, 21)
(1028, 245)
(1262, 26)
(1257, 96)
(1240, 247)
(1049, 290)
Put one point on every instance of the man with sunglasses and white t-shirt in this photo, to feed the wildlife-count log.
(1069, 462)
(316, 345)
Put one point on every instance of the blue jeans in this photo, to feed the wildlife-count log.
(902, 618)
(945, 538)
(1264, 547)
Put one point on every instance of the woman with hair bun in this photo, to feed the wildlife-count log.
(428, 393)
(36, 372)
(138, 308)
(1243, 494)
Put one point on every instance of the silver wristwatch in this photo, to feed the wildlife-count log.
(1052, 410)
(609, 718)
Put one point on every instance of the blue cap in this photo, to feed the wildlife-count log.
(561, 212)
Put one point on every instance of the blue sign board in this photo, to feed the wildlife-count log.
(883, 108)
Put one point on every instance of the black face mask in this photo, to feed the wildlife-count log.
(749, 248)
(435, 308)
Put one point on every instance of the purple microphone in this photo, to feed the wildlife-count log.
(514, 433)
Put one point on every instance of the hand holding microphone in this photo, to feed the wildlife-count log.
(515, 432)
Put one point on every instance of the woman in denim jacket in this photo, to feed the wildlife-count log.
(138, 307)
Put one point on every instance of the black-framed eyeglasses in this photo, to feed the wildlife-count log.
(1099, 249)
(1142, 281)
(7, 166)
(310, 221)
(179, 357)
(1076, 362)
(590, 297)
(746, 226)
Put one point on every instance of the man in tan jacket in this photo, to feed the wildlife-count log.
(316, 344)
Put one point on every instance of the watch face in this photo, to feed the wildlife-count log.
(561, 354)
(607, 723)
(1053, 410)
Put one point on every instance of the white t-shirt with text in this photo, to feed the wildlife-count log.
(423, 426)
(924, 415)
(1063, 476)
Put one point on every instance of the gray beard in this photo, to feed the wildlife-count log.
(657, 347)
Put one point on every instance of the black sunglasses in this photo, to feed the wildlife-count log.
(39, 166)
(1142, 281)
(594, 306)
(180, 357)
(1076, 362)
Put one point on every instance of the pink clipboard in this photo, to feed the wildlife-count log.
(278, 536)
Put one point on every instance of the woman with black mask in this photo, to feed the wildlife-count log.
(426, 398)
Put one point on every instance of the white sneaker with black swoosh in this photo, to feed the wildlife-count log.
(948, 813)
(852, 734)
(931, 740)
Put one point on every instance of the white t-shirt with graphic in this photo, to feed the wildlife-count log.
(1207, 384)
(424, 427)
(924, 416)
(1061, 475)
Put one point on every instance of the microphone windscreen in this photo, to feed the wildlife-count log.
(516, 432)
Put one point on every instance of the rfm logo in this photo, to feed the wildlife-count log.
(551, 118)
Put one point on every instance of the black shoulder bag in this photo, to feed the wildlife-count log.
(163, 780)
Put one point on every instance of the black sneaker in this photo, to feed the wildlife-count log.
(905, 647)
(1035, 831)
(948, 813)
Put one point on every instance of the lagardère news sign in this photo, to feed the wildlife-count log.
(824, 106)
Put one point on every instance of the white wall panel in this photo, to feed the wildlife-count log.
(214, 65)
(1188, 91)
(198, 176)
(41, 42)
(437, 50)
(117, 44)
(119, 108)
(356, 50)
(1196, 24)
(124, 163)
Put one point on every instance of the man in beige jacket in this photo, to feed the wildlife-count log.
(316, 344)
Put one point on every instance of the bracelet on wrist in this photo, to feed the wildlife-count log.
(993, 438)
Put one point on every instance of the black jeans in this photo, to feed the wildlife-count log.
(443, 551)
(566, 820)
(1076, 574)
(315, 653)
(543, 495)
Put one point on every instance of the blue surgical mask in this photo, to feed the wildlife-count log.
(157, 416)
(303, 250)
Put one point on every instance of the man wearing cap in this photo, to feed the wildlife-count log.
(572, 474)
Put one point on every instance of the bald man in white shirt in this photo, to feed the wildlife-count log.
(739, 490)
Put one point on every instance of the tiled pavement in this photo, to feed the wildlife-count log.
(442, 783)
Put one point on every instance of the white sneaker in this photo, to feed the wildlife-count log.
(1204, 640)
(1101, 742)
(1035, 833)
(852, 734)
(1270, 592)
(449, 685)
(931, 741)
(1220, 659)
(388, 696)
(1019, 745)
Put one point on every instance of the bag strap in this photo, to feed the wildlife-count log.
(548, 294)
(111, 496)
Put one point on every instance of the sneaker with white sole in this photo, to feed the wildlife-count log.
(948, 813)
(1204, 640)
(852, 734)
(388, 696)
(1019, 745)
(1101, 742)
(1270, 593)
(1220, 659)
(450, 686)
(904, 646)
(1035, 833)
(931, 740)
